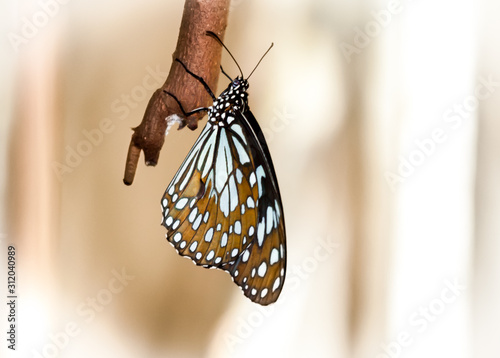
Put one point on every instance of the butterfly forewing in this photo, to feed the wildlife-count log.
(223, 207)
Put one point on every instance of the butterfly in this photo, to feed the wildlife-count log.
(223, 207)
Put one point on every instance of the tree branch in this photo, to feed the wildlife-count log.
(201, 54)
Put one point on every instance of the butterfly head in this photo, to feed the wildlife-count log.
(234, 98)
(237, 89)
(239, 83)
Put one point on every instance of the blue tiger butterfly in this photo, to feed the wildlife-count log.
(223, 207)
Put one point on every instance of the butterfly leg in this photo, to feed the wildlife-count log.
(186, 114)
(201, 80)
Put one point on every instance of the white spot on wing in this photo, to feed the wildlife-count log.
(260, 174)
(260, 231)
(233, 193)
(252, 179)
(197, 223)
(276, 284)
(209, 234)
(223, 240)
(262, 269)
(263, 293)
(237, 128)
(277, 208)
(187, 176)
(269, 220)
(274, 256)
(210, 156)
(246, 255)
(224, 201)
(242, 153)
(239, 177)
(191, 156)
(210, 142)
(192, 215)
(237, 227)
(223, 165)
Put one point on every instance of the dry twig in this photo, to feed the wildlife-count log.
(201, 54)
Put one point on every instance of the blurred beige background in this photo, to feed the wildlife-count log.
(382, 119)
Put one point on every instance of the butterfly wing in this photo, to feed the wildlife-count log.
(260, 269)
(223, 208)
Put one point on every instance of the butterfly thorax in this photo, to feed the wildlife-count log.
(232, 100)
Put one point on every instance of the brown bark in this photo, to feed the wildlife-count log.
(201, 54)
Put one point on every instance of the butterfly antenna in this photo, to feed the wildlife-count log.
(210, 33)
(258, 63)
(225, 74)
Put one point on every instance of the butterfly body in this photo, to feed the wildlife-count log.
(223, 207)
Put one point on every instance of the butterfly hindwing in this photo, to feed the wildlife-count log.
(260, 269)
